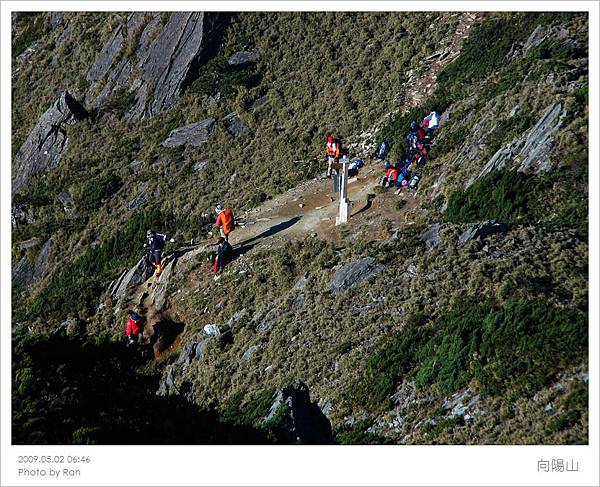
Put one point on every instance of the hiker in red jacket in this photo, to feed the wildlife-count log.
(132, 328)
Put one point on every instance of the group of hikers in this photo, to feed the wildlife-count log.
(155, 244)
(225, 223)
(400, 175)
(397, 175)
(405, 172)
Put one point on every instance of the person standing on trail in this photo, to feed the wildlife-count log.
(225, 221)
(334, 151)
(222, 256)
(132, 328)
(155, 243)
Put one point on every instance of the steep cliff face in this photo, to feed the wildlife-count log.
(378, 331)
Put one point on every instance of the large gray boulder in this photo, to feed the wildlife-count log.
(532, 149)
(195, 134)
(192, 351)
(299, 419)
(481, 231)
(26, 273)
(353, 274)
(47, 141)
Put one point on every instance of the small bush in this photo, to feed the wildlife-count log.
(518, 345)
(93, 191)
(575, 407)
(357, 435)
(217, 76)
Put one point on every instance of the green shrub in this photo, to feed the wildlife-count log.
(384, 369)
(94, 191)
(251, 412)
(575, 407)
(218, 76)
(485, 50)
(516, 347)
(517, 198)
(519, 346)
(505, 196)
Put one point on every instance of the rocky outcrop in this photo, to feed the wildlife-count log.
(192, 351)
(47, 141)
(235, 125)
(137, 202)
(301, 420)
(154, 61)
(481, 231)
(537, 37)
(127, 281)
(195, 134)
(244, 58)
(301, 283)
(535, 154)
(200, 165)
(353, 274)
(19, 215)
(263, 319)
(26, 273)
(249, 352)
(67, 203)
(159, 291)
(532, 149)
(432, 237)
(167, 384)
(260, 102)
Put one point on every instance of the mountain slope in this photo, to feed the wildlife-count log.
(398, 323)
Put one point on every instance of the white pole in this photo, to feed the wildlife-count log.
(344, 202)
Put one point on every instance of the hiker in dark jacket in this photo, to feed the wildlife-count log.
(222, 256)
(155, 243)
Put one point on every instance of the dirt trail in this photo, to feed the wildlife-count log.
(421, 88)
(311, 208)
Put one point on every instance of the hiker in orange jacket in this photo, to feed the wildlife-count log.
(225, 221)
(334, 150)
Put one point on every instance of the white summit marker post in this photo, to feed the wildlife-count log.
(344, 202)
